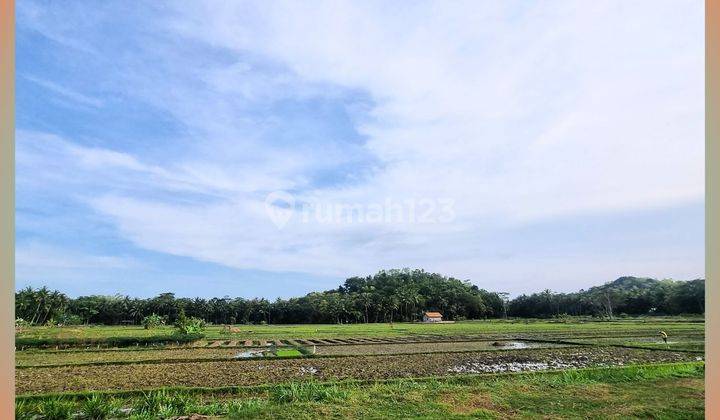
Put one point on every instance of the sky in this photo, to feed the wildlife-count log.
(276, 148)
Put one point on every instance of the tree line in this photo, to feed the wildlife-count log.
(388, 296)
(624, 296)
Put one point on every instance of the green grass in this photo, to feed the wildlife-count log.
(99, 408)
(576, 326)
(652, 391)
(688, 343)
(165, 404)
(22, 342)
(647, 391)
(288, 353)
(300, 392)
(56, 409)
(245, 409)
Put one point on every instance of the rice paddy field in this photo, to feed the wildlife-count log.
(487, 369)
(573, 326)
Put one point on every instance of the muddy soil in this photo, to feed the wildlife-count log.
(255, 372)
(61, 358)
(432, 347)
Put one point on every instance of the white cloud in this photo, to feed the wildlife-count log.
(540, 111)
(519, 112)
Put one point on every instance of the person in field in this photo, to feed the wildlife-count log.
(664, 336)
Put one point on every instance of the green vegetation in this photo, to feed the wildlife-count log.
(591, 354)
(41, 306)
(297, 392)
(99, 408)
(690, 343)
(123, 341)
(219, 373)
(388, 296)
(189, 325)
(659, 391)
(577, 327)
(620, 298)
(152, 321)
(288, 352)
(165, 404)
(695, 346)
(130, 355)
(56, 409)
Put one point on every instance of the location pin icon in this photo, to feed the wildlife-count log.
(279, 207)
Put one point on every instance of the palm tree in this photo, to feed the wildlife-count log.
(23, 302)
(135, 310)
(41, 300)
(391, 304)
(366, 297)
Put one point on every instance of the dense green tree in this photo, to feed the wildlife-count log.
(388, 296)
(624, 296)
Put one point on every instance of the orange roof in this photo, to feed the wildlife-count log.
(433, 314)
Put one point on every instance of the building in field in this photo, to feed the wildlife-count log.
(432, 317)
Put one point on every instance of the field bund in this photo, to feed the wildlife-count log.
(125, 377)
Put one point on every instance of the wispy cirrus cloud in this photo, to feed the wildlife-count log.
(67, 93)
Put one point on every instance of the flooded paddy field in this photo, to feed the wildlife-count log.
(434, 347)
(255, 372)
(26, 359)
(207, 350)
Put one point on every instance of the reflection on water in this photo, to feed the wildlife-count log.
(434, 347)
(515, 345)
(249, 354)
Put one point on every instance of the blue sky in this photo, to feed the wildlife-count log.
(563, 141)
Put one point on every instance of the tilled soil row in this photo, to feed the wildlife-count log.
(25, 360)
(256, 372)
(432, 338)
(61, 358)
(432, 347)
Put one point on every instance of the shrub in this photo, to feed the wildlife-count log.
(56, 409)
(165, 404)
(214, 408)
(23, 411)
(152, 321)
(98, 408)
(564, 318)
(245, 409)
(308, 391)
(20, 324)
(189, 325)
(70, 319)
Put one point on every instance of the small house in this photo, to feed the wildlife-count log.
(432, 317)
